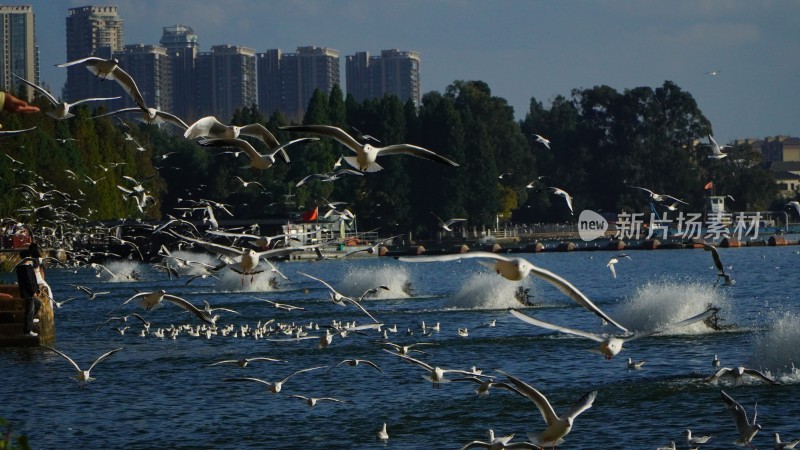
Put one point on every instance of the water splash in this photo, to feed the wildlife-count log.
(778, 348)
(358, 280)
(656, 304)
(125, 271)
(486, 290)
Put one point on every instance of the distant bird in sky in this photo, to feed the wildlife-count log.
(109, 69)
(716, 149)
(366, 154)
(713, 73)
(61, 110)
(747, 430)
(542, 140)
(83, 376)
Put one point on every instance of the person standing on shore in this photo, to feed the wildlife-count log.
(28, 290)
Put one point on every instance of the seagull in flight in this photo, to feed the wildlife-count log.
(366, 154)
(61, 110)
(716, 149)
(436, 375)
(83, 376)
(542, 141)
(737, 374)
(718, 264)
(516, 269)
(446, 226)
(659, 197)
(339, 299)
(257, 160)
(613, 261)
(557, 426)
(249, 259)
(609, 346)
(109, 69)
(278, 385)
(747, 430)
(210, 127)
(561, 193)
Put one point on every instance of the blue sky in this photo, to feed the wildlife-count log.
(521, 48)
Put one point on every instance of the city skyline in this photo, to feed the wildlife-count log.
(520, 49)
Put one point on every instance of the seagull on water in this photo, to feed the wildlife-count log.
(516, 269)
(610, 346)
(366, 154)
(83, 376)
(557, 426)
(747, 430)
(61, 110)
(694, 440)
(382, 435)
(635, 365)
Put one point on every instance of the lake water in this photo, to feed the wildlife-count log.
(163, 393)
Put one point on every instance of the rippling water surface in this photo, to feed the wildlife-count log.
(163, 393)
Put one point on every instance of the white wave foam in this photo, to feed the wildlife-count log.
(778, 348)
(358, 280)
(659, 303)
(486, 290)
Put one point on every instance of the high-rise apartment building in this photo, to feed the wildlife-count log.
(19, 53)
(182, 47)
(296, 76)
(270, 82)
(91, 31)
(149, 66)
(226, 81)
(394, 72)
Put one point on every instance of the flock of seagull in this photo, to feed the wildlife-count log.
(248, 262)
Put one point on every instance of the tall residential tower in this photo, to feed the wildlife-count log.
(18, 54)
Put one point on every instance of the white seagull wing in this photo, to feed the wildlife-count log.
(550, 326)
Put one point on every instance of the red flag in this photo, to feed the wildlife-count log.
(310, 216)
(709, 185)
